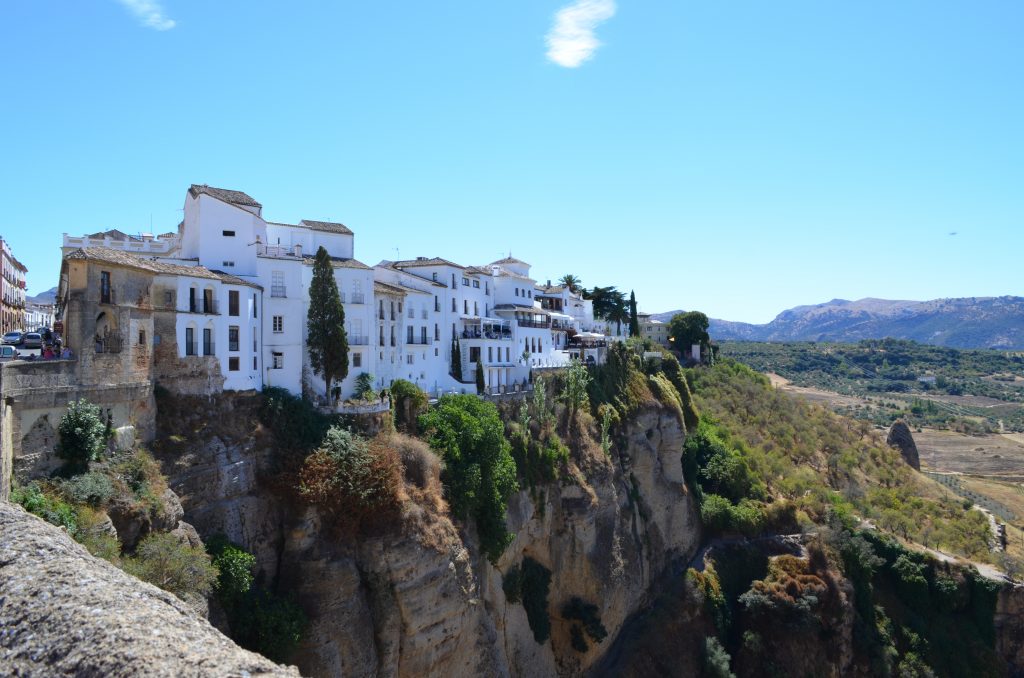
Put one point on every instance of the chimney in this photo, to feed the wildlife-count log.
(298, 250)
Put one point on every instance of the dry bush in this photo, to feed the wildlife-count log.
(422, 472)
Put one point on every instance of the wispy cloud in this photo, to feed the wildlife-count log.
(571, 41)
(149, 13)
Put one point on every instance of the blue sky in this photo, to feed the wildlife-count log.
(735, 157)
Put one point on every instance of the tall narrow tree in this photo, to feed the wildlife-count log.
(480, 386)
(634, 322)
(325, 324)
(456, 359)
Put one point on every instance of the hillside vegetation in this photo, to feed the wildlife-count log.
(921, 384)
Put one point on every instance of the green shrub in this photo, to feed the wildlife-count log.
(235, 566)
(162, 560)
(480, 473)
(408, 402)
(46, 505)
(91, 534)
(364, 387)
(588, 616)
(512, 584)
(297, 426)
(716, 659)
(92, 488)
(82, 435)
(535, 582)
(268, 624)
(141, 475)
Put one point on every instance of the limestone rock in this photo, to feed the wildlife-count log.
(901, 438)
(65, 613)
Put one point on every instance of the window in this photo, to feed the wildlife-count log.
(465, 307)
(233, 338)
(208, 301)
(192, 304)
(410, 359)
(476, 284)
(435, 352)
(437, 332)
(105, 287)
(233, 302)
(487, 288)
(476, 309)
(254, 340)
(507, 352)
(357, 359)
(278, 323)
(233, 364)
(517, 291)
(490, 354)
(454, 307)
(453, 281)
(228, 234)
(381, 314)
(278, 360)
(381, 338)
(408, 334)
(207, 341)
(399, 308)
(254, 368)
(190, 341)
(529, 293)
(142, 337)
(412, 311)
(254, 313)
(465, 282)
(437, 304)
(423, 334)
(474, 354)
(228, 264)
(169, 299)
(434, 274)
(277, 288)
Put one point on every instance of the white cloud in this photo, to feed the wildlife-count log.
(149, 13)
(571, 41)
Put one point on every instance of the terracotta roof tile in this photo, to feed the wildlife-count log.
(227, 195)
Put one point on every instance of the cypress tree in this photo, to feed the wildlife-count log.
(480, 376)
(634, 322)
(325, 324)
(456, 360)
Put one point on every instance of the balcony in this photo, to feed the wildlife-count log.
(417, 340)
(477, 333)
(206, 306)
(539, 324)
(109, 343)
(358, 340)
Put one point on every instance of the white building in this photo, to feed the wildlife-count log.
(247, 299)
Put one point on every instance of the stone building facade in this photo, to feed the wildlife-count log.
(12, 281)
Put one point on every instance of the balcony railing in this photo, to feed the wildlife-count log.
(479, 334)
(416, 340)
(190, 348)
(278, 291)
(209, 348)
(541, 324)
(109, 343)
(207, 306)
(358, 298)
(108, 296)
(358, 340)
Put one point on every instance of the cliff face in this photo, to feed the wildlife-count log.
(421, 599)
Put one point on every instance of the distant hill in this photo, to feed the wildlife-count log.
(971, 322)
(47, 297)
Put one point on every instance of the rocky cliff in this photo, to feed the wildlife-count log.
(902, 439)
(420, 598)
(65, 613)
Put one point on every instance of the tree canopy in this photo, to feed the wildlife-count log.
(325, 324)
(687, 329)
(572, 282)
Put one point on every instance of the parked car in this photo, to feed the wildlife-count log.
(14, 338)
(8, 352)
(33, 340)
(45, 333)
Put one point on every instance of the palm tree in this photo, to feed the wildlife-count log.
(572, 282)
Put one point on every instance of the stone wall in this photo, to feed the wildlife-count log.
(34, 396)
(199, 375)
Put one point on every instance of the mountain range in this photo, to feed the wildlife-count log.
(47, 297)
(970, 322)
